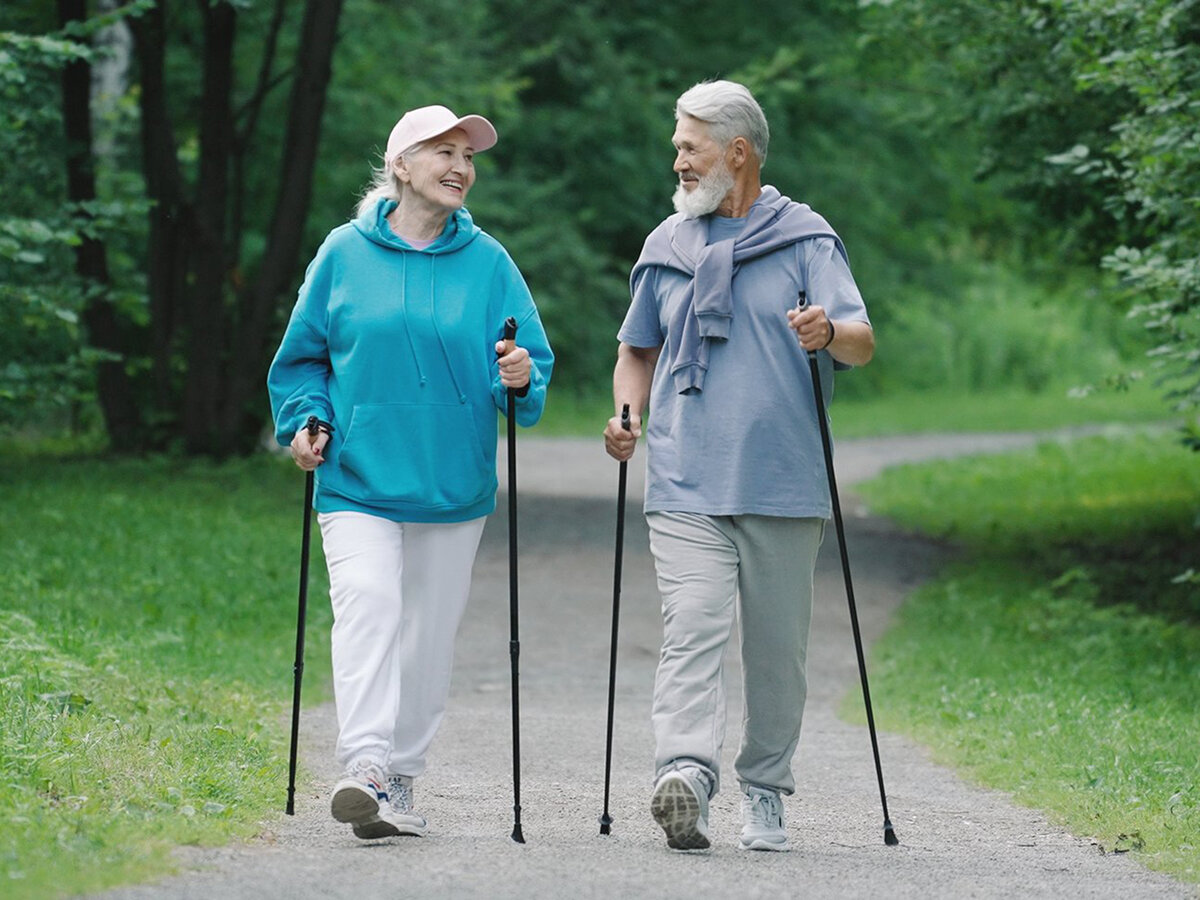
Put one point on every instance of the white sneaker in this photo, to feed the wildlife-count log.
(357, 797)
(762, 820)
(679, 805)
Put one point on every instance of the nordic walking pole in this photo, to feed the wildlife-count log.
(605, 818)
(301, 614)
(514, 643)
(889, 833)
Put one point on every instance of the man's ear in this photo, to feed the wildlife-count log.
(739, 152)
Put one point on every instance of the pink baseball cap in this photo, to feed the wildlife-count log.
(427, 122)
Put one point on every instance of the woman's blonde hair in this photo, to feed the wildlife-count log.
(384, 186)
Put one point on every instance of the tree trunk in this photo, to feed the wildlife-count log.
(245, 401)
(170, 215)
(207, 353)
(115, 393)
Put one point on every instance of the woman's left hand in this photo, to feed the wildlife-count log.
(514, 366)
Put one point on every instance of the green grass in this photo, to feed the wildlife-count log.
(147, 630)
(900, 412)
(1002, 409)
(1060, 659)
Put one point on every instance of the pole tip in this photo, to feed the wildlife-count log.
(516, 835)
(889, 834)
(606, 824)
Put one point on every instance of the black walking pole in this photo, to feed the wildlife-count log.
(514, 643)
(889, 833)
(301, 614)
(605, 818)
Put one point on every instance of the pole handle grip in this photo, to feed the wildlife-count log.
(801, 303)
(510, 344)
(510, 335)
(626, 422)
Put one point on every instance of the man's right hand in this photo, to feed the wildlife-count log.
(617, 441)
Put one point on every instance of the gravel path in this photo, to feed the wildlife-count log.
(957, 841)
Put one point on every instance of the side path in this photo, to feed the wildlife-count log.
(956, 840)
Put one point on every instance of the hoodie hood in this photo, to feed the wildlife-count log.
(460, 230)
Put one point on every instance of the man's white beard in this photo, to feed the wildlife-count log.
(707, 195)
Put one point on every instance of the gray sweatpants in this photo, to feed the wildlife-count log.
(711, 569)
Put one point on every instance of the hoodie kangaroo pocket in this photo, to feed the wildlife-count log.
(422, 455)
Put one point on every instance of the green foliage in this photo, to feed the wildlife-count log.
(146, 640)
(1150, 51)
(49, 366)
(582, 95)
(1087, 108)
(1059, 660)
(1001, 328)
(39, 307)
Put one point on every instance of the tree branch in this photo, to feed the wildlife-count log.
(249, 114)
(263, 85)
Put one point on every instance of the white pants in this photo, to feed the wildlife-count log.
(399, 590)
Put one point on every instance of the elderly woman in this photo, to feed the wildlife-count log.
(394, 345)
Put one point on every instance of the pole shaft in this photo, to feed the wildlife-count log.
(298, 664)
(606, 819)
(514, 642)
(827, 446)
(619, 552)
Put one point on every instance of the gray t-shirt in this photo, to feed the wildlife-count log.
(749, 442)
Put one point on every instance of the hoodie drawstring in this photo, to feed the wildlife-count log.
(462, 398)
(404, 314)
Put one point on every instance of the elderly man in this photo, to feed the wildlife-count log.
(736, 495)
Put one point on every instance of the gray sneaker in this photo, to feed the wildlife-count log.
(762, 820)
(357, 797)
(398, 812)
(679, 805)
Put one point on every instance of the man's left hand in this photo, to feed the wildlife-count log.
(812, 326)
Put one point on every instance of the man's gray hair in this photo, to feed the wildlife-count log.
(730, 111)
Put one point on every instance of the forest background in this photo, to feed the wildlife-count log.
(1018, 185)
(1016, 182)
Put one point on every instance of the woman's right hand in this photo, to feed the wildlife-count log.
(618, 441)
(307, 449)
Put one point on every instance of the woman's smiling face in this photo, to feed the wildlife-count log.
(441, 171)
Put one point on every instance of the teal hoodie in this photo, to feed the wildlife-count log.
(396, 348)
